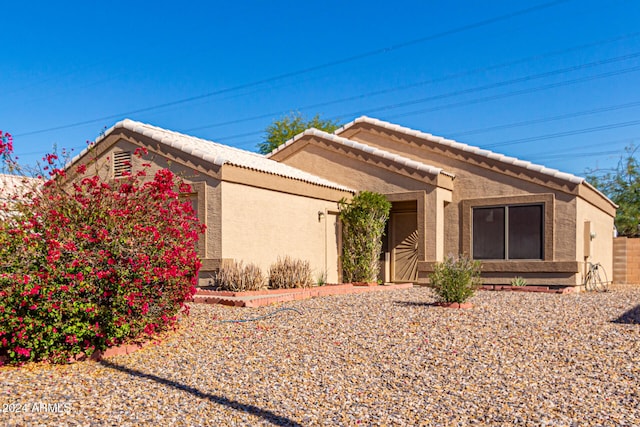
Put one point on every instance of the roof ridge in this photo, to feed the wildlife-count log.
(574, 179)
(216, 153)
(378, 152)
(184, 135)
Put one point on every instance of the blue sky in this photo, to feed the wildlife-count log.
(553, 82)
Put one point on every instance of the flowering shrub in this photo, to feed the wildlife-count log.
(90, 264)
(6, 144)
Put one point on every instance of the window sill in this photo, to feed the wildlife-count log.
(519, 266)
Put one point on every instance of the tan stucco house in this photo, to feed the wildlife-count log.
(518, 218)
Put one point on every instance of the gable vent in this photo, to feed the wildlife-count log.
(121, 163)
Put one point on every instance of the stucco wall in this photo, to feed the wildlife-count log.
(475, 182)
(258, 225)
(351, 172)
(599, 248)
(477, 179)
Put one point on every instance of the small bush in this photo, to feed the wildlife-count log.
(321, 279)
(456, 280)
(236, 277)
(518, 281)
(289, 273)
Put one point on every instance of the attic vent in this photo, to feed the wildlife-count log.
(121, 163)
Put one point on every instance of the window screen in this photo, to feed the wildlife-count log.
(488, 233)
(508, 232)
(525, 232)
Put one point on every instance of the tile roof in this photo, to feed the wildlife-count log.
(405, 161)
(219, 154)
(467, 148)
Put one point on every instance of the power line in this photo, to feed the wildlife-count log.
(353, 58)
(544, 119)
(565, 133)
(573, 150)
(579, 155)
(420, 83)
(467, 102)
(505, 83)
(514, 93)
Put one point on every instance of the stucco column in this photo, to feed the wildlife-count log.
(442, 197)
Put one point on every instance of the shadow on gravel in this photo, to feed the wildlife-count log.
(631, 317)
(221, 400)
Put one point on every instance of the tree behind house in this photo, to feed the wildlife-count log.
(622, 186)
(282, 130)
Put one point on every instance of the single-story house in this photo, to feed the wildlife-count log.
(449, 198)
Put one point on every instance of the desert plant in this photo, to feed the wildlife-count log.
(321, 279)
(236, 277)
(290, 273)
(518, 281)
(455, 280)
(363, 221)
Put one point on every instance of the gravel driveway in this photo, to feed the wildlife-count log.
(384, 358)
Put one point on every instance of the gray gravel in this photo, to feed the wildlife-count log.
(384, 358)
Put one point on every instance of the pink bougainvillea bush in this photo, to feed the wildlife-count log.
(89, 264)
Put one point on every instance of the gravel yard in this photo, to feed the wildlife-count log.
(382, 358)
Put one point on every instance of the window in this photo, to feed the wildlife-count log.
(508, 232)
(121, 163)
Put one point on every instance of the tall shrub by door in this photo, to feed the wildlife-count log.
(363, 220)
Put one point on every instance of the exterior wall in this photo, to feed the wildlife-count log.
(205, 188)
(626, 265)
(351, 172)
(259, 225)
(444, 217)
(479, 181)
(594, 239)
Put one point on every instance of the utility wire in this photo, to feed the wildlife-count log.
(515, 93)
(505, 83)
(417, 84)
(465, 102)
(574, 150)
(353, 58)
(544, 119)
(577, 155)
(563, 134)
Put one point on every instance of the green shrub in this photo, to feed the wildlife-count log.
(289, 273)
(363, 221)
(456, 280)
(321, 279)
(236, 277)
(518, 281)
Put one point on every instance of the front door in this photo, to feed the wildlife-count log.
(404, 246)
